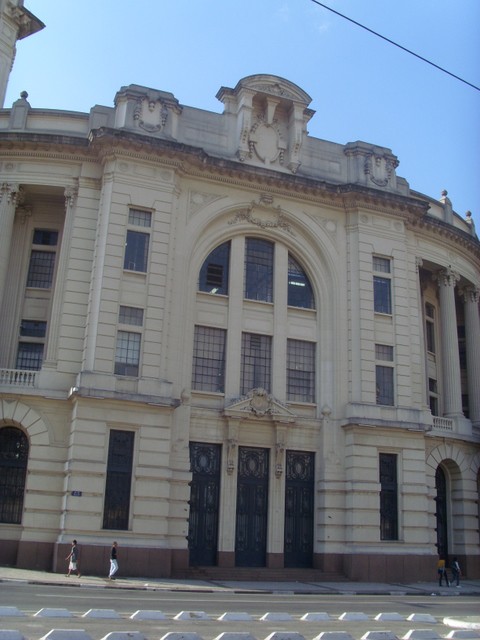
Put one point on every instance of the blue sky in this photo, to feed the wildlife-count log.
(362, 88)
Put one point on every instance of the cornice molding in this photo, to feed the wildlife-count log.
(105, 143)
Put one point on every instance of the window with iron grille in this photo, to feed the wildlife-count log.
(118, 483)
(137, 242)
(384, 374)
(388, 496)
(258, 270)
(209, 359)
(41, 269)
(300, 293)
(29, 356)
(13, 473)
(382, 285)
(256, 365)
(214, 272)
(127, 354)
(300, 371)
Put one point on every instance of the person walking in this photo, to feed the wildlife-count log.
(442, 572)
(73, 560)
(456, 572)
(113, 561)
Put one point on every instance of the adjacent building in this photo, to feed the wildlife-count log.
(225, 343)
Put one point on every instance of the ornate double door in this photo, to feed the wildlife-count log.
(252, 506)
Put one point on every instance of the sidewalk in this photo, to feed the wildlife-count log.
(467, 587)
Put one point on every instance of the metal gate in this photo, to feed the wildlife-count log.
(299, 508)
(441, 513)
(204, 501)
(252, 507)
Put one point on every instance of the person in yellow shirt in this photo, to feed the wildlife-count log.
(442, 572)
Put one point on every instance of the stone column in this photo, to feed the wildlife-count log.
(471, 296)
(10, 195)
(58, 293)
(452, 390)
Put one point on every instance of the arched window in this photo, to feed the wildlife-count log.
(214, 271)
(13, 471)
(300, 292)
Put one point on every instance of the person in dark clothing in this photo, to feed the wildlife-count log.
(113, 561)
(456, 572)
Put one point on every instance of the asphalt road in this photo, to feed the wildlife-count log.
(78, 600)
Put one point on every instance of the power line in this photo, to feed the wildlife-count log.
(379, 35)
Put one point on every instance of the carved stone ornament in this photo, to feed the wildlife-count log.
(258, 403)
(263, 214)
(379, 169)
(150, 115)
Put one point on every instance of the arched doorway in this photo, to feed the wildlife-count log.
(13, 471)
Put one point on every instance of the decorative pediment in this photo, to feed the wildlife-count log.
(259, 404)
(272, 114)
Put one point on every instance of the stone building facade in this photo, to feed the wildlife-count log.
(227, 344)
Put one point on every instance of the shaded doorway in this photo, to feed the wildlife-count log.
(441, 513)
(252, 507)
(204, 504)
(299, 509)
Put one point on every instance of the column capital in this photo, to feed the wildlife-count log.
(70, 193)
(446, 277)
(11, 193)
(470, 293)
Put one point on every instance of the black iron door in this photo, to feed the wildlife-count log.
(252, 507)
(299, 508)
(441, 513)
(204, 501)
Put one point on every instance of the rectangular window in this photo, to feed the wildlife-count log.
(130, 315)
(300, 371)
(433, 396)
(388, 496)
(127, 354)
(41, 269)
(209, 359)
(119, 480)
(33, 328)
(384, 374)
(45, 237)
(137, 242)
(382, 285)
(140, 218)
(430, 327)
(259, 270)
(30, 356)
(256, 366)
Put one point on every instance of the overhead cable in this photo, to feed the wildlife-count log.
(379, 35)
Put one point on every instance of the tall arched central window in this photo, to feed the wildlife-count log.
(241, 343)
(13, 471)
